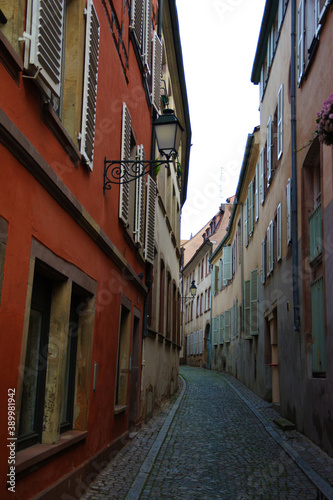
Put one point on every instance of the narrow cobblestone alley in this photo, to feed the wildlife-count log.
(217, 441)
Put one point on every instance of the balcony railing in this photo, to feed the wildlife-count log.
(315, 234)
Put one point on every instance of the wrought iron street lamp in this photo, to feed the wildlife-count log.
(193, 290)
(168, 132)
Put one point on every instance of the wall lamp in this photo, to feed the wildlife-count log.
(193, 290)
(168, 132)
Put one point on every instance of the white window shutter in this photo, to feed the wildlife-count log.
(221, 328)
(279, 232)
(227, 264)
(146, 42)
(263, 261)
(280, 122)
(254, 302)
(288, 211)
(139, 200)
(269, 151)
(90, 84)
(256, 195)
(262, 175)
(301, 41)
(246, 222)
(137, 20)
(47, 26)
(157, 72)
(126, 133)
(251, 209)
(270, 248)
(150, 220)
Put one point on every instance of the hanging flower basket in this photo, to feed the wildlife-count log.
(325, 122)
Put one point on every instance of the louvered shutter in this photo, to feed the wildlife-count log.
(280, 122)
(263, 261)
(227, 264)
(137, 20)
(215, 327)
(279, 232)
(147, 28)
(288, 211)
(227, 325)
(221, 281)
(301, 41)
(221, 328)
(216, 276)
(90, 85)
(246, 222)
(232, 319)
(150, 220)
(247, 306)
(139, 200)
(157, 72)
(262, 175)
(254, 302)
(212, 279)
(269, 151)
(47, 26)
(125, 155)
(256, 196)
(251, 209)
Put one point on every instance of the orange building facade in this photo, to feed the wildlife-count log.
(80, 81)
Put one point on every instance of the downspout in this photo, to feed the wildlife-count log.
(242, 267)
(294, 169)
(209, 340)
(160, 17)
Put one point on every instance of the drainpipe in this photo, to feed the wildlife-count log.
(294, 169)
(160, 17)
(209, 340)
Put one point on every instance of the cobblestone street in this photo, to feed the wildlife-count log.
(217, 440)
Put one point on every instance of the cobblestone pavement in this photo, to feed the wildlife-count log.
(217, 441)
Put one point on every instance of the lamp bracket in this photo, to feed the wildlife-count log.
(125, 171)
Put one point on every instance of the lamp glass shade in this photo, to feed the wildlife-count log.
(193, 289)
(168, 133)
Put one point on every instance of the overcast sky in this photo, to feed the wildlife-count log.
(219, 40)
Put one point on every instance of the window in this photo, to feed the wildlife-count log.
(247, 307)
(59, 331)
(254, 330)
(221, 324)
(215, 330)
(57, 59)
(227, 326)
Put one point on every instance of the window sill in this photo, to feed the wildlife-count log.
(119, 409)
(35, 455)
(10, 58)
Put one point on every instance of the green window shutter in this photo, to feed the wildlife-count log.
(216, 277)
(315, 233)
(212, 280)
(232, 321)
(221, 328)
(318, 327)
(288, 210)
(256, 194)
(262, 175)
(227, 264)
(221, 280)
(247, 307)
(254, 302)
(227, 325)
(215, 330)
(263, 261)
(246, 222)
